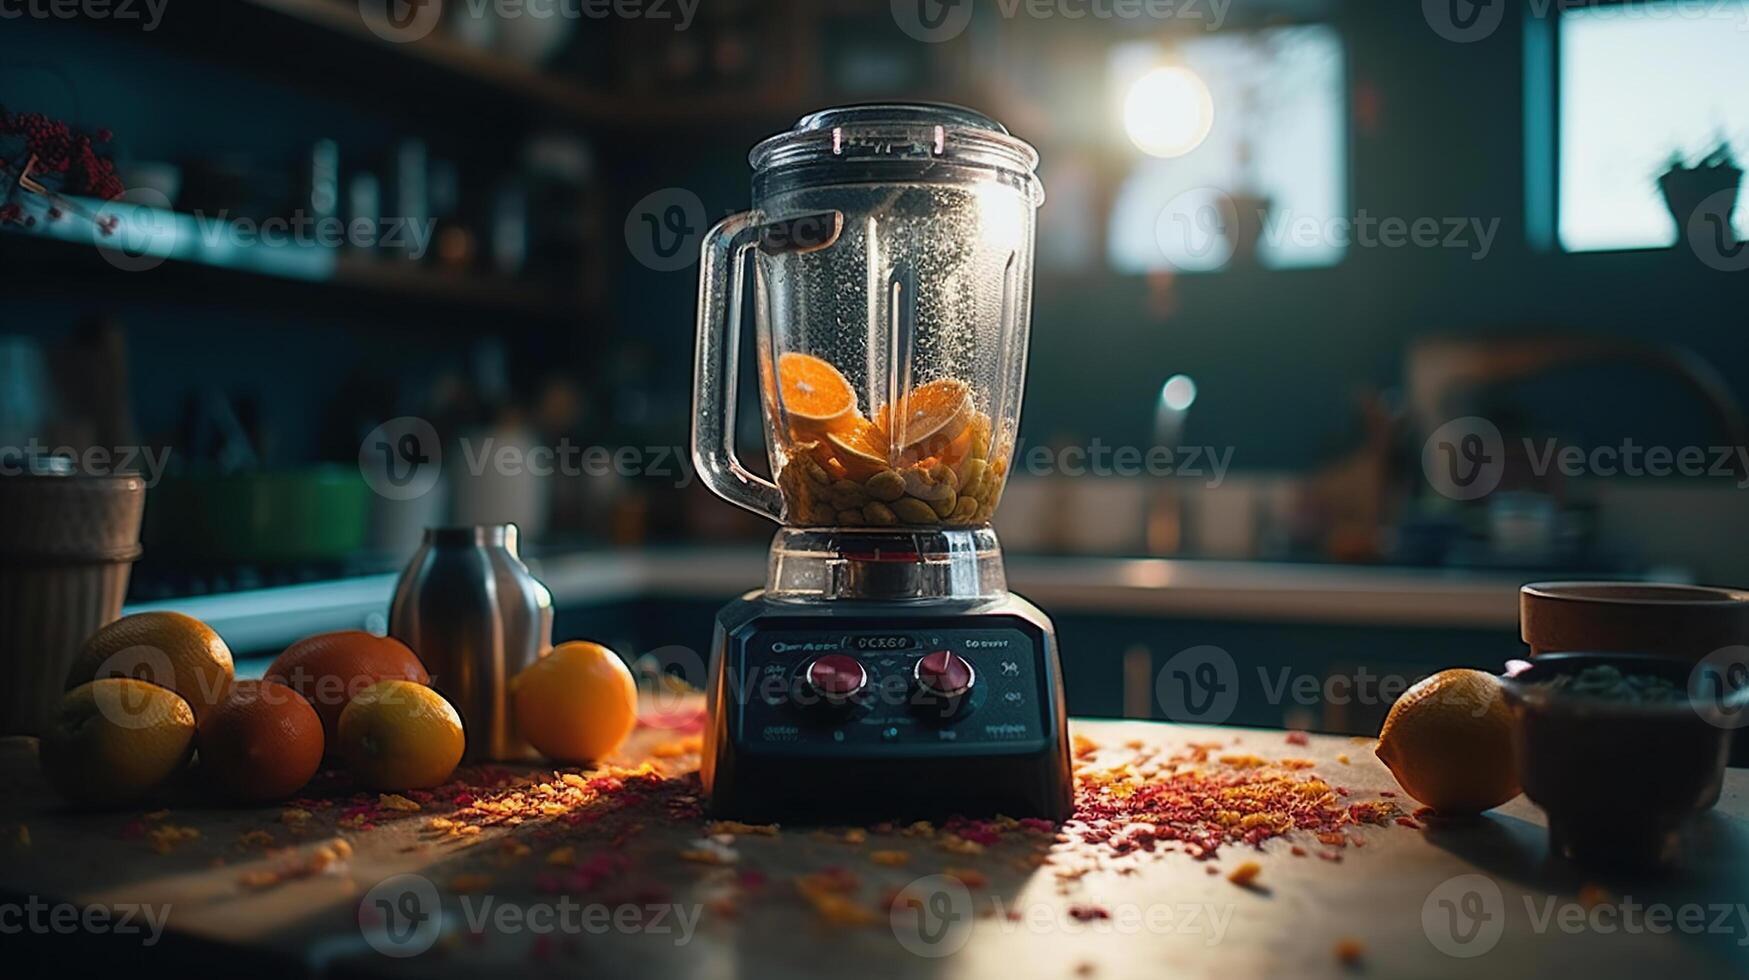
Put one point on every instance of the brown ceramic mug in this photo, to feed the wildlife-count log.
(1683, 621)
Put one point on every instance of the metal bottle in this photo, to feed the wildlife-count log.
(475, 615)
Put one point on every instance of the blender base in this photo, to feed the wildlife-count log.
(885, 710)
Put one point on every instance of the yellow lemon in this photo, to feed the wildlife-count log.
(114, 741)
(398, 734)
(1448, 740)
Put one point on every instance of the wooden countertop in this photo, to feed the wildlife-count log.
(266, 891)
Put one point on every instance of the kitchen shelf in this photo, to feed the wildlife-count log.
(67, 250)
(525, 84)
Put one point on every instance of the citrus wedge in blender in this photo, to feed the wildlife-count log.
(929, 418)
(815, 396)
(860, 448)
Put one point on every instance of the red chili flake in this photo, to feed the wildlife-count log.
(1408, 822)
(1387, 794)
(1088, 913)
(1297, 851)
(1422, 813)
(1331, 856)
(1298, 738)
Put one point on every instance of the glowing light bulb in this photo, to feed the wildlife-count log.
(1168, 112)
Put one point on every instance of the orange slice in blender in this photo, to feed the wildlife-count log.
(815, 396)
(929, 418)
(860, 448)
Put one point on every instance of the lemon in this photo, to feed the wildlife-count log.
(116, 740)
(398, 734)
(1448, 740)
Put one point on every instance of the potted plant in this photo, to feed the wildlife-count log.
(1687, 188)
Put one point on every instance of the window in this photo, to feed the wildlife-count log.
(1275, 133)
(1642, 85)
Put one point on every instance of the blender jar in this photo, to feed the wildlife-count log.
(893, 249)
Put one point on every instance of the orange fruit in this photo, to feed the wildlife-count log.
(815, 396)
(397, 734)
(929, 418)
(329, 669)
(168, 649)
(263, 742)
(859, 450)
(577, 703)
(1448, 740)
(116, 740)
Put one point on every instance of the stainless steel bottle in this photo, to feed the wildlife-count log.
(475, 615)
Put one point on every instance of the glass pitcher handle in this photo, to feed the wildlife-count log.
(721, 279)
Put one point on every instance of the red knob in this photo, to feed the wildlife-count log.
(837, 677)
(944, 674)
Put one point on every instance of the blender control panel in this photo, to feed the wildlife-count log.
(925, 686)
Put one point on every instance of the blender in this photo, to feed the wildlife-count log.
(884, 669)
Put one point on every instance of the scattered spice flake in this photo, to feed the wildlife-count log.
(830, 893)
(956, 844)
(255, 838)
(737, 827)
(1088, 913)
(395, 801)
(1422, 813)
(154, 816)
(969, 877)
(1348, 952)
(1245, 874)
(1387, 794)
(294, 815)
(891, 859)
(1298, 738)
(1342, 758)
(1211, 869)
(562, 856)
(1408, 822)
(165, 838)
(1083, 746)
(710, 851)
(1297, 851)
(921, 828)
(855, 835)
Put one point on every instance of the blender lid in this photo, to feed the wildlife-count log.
(916, 141)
